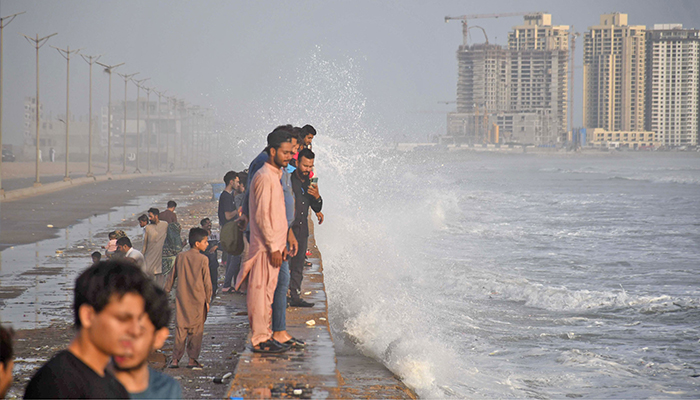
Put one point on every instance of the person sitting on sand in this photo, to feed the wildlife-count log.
(6, 360)
(130, 253)
(140, 380)
(192, 300)
(109, 304)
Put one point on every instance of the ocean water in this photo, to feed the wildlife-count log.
(499, 275)
(544, 276)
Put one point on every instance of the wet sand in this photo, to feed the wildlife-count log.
(26, 220)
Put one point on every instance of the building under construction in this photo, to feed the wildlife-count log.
(516, 94)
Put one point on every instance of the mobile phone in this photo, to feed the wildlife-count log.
(314, 180)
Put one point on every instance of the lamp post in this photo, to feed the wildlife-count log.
(65, 53)
(38, 42)
(148, 126)
(138, 120)
(126, 81)
(4, 21)
(90, 60)
(160, 127)
(108, 69)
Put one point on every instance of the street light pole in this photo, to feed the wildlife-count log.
(90, 60)
(138, 120)
(4, 21)
(160, 127)
(126, 81)
(65, 53)
(108, 69)
(38, 42)
(148, 126)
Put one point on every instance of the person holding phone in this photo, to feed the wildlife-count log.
(305, 195)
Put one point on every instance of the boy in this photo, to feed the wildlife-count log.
(193, 296)
(96, 257)
(111, 247)
(133, 371)
(210, 253)
(108, 306)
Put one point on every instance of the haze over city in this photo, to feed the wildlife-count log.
(239, 58)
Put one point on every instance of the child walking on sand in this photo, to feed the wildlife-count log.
(194, 292)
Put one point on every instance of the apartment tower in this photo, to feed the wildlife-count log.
(673, 84)
(539, 65)
(614, 72)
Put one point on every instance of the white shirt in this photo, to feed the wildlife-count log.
(137, 256)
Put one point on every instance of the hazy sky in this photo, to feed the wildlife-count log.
(246, 59)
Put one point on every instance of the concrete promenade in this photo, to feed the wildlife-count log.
(314, 372)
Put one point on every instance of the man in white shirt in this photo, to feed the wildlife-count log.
(124, 247)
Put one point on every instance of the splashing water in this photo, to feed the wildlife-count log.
(488, 276)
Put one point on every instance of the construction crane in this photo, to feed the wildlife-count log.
(464, 18)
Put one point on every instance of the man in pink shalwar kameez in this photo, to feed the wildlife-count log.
(268, 242)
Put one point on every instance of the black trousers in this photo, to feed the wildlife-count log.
(296, 264)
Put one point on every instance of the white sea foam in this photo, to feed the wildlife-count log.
(491, 282)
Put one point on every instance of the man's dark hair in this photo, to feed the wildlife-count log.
(277, 137)
(196, 235)
(154, 211)
(230, 176)
(97, 255)
(172, 204)
(306, 153)
(157, 308)
(308, 129)
(288, 127)
(97, 284)
(204, 221)
(243, 178)
(143, 218)
(298, 134)
(124, 242)
(6, 352)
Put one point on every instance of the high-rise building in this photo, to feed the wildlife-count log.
(482, 81)
(673, 84)
(539, 66)
(614, 72)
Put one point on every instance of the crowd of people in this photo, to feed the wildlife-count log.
(121, 304)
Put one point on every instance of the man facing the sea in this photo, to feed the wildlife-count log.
(268, 241)
(169, 215)
(153, 241)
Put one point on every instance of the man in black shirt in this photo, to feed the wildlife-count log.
(227, 209)
(305, 195)
(108, 307)
(228, 212)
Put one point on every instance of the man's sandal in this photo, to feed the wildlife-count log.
(270, 346)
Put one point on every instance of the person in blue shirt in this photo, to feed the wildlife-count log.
(132, 371)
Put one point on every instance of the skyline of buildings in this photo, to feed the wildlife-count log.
(635, 80)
